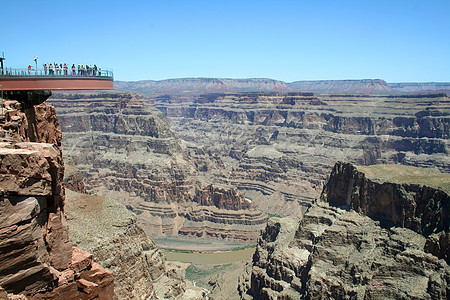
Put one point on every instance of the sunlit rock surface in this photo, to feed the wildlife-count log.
(363, 239)
(36, 258)
(107, 229)
(126, 149)
(278, 148)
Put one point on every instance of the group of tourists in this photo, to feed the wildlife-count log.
(63, 69)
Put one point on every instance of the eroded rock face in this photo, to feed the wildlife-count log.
(36, 257)
(278, 148)
(422, 209)
(420, 87)
(196, 86)
(350, 244)
(73, 179)
(126, 149)
(221, 198)
(364, 86)
(107, 229)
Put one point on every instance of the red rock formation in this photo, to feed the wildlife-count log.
(36, 257)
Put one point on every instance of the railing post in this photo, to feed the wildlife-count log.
(2, 116)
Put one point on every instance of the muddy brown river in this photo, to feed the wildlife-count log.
(210, 258)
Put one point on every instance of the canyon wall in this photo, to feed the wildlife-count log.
(364, 86)
(107, 255)
(420, 87)
(369, 86)
(364, 239)
(108, 230)
(127, 150)
(197, 86)
(36, 257)
(278, 148)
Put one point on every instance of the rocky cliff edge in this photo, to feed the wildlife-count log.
(36, 258)
(363, 239)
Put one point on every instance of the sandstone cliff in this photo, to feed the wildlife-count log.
(127, 150)
(36, 257)
(363, 239)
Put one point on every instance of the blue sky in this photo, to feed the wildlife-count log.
(395, 40)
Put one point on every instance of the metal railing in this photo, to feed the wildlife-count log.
(57, 73)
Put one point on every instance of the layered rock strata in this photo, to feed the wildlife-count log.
(420, 87)
(364, 86)
(126, 149)
(73, 179)
(278, 148)
(196, 86)
(36, 257)
(107, 229)
(362, 239)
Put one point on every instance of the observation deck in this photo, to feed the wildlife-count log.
(40, 79)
